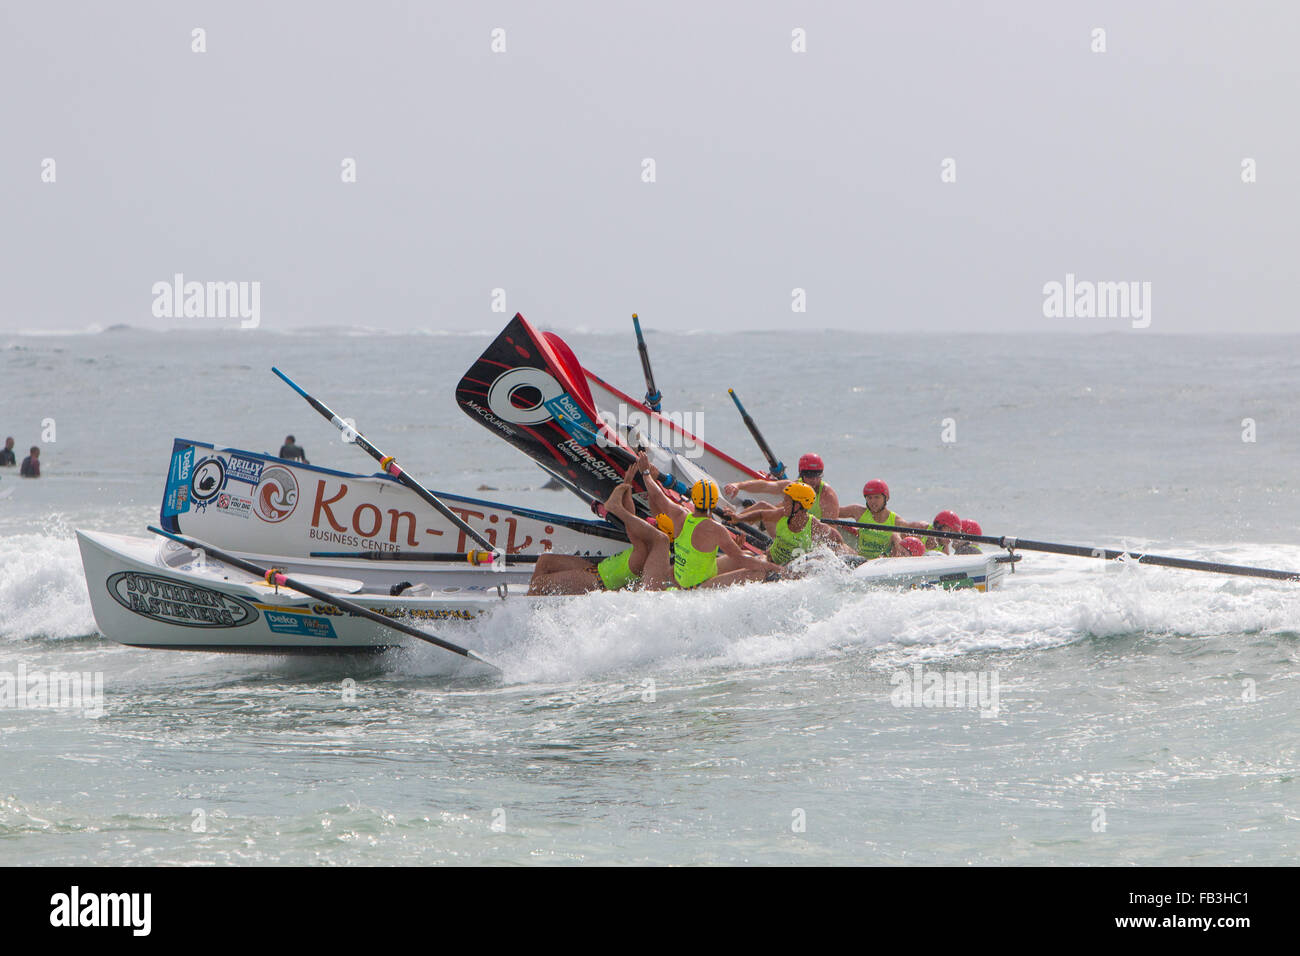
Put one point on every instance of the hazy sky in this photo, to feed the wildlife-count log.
(774, 169)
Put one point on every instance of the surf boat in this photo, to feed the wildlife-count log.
(156, 593)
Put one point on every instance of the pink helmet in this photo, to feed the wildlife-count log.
(913, 545)
(875, 487)
(811, 462)
(971, 527)
(947, 518)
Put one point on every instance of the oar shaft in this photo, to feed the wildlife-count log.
(652, 396)
(472, 557)
(340, 603)
(1080, 551)
(775, 467)
(388, 464)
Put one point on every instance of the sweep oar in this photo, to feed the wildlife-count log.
(653, 398)
(473, 557)
(1082, 551)
(387, 463)
(775, 467)
(276, 577)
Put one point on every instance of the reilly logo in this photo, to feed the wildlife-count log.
(103, 909)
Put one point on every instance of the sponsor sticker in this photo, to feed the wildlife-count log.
(572, 419)
(209, 476)
(303, 625)
(276, 495)
(248, 470)
(176, 497)
(171, 602)
(234, 505)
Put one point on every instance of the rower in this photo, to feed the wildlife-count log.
(825, 505)
(873, 543)
(968, 547)
(943, 521)
(910, 546)
(698, 538)
(648, 562)
(792, 526)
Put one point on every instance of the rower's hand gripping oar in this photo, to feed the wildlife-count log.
(389, 464)
(775, 467)
(653, 398)
(1080, 551)
(277, 577)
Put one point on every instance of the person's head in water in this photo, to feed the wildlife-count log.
(288, 439)
(9, 444)
(36, 452)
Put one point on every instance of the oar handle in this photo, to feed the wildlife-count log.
(653, 398)
(775, 467)
(388, 463)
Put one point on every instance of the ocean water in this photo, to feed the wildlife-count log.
(1143, 715)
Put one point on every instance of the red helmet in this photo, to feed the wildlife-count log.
(811, 462)
(875, 487)
(948, 518)
(913, 545)
(971, 527)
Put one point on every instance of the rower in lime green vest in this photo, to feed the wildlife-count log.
(647, 563)
(872, 542)
(698, 538)
(825, 505)
(943, 521)
(792, 525)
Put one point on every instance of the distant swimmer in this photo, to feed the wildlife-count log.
(647, 563)
(32, 464)
(968, 547)
(698, 538)
(792, 526)
(7, 459)
(943, 521)
(825, 505)
(293, 452)
(873, 543)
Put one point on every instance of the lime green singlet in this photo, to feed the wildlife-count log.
(692, 566)
(874, 544)
(787, 543)
(615, 573)
(933, 544)
(816, 509)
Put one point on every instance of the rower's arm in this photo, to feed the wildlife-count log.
(658, 501)
(762, 486)
(830, 502)
(760, 509)
(727, 545)
(824, 532)
(850, 512)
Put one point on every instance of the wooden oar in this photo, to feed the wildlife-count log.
(276, 577)
(1080, 551)
(653, 398)
(473, 557)
(775, 467)
(389, 464)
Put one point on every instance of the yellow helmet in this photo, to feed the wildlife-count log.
(801, 493)
(704, 494)
(665, 524)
